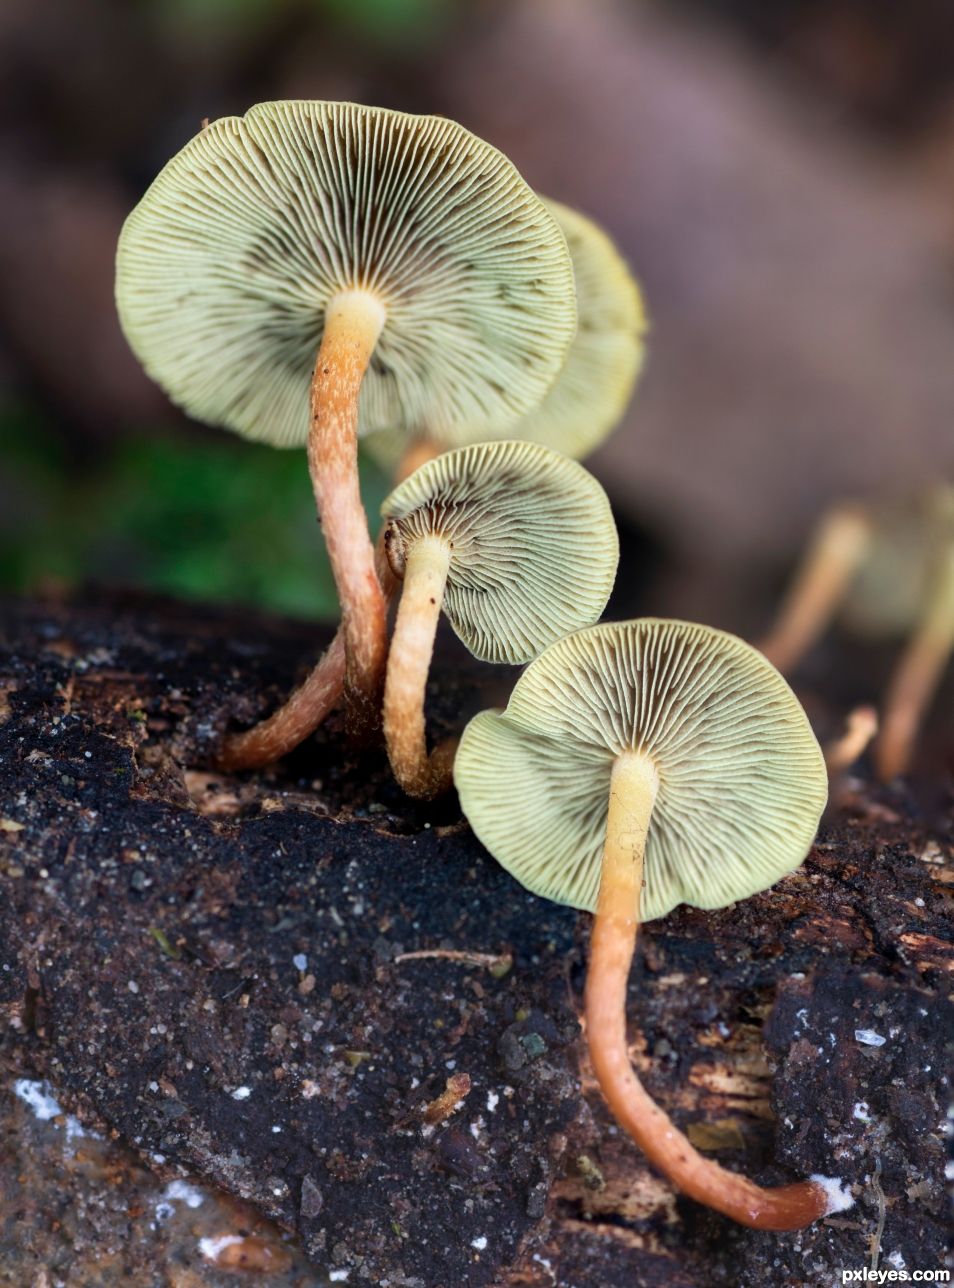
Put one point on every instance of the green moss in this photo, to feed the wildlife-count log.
(204, 518)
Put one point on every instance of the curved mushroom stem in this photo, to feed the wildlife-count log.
(310, 704)
(835, 552)
(412, 646)
(353, 322)
(917, 674)
(789, 1207)
(291, 724)
(314, 700)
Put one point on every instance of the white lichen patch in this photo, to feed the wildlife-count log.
(241, 1093)
(861, 1112)
(480, 1243)
(38, 1096)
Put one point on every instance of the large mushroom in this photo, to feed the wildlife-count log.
(637, 766)
(289, 260)
(581, 407)
(516, 544)
(590, 395)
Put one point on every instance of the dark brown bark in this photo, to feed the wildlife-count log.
(151, 914)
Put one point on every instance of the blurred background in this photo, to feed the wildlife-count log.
(780, 175)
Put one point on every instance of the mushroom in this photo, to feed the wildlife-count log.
(835, 553)
(516, 544)
(928, 650)
(637, 766)
(591, 393)
(884, 571)
(581, 407)
(588, 398)
(348, 251)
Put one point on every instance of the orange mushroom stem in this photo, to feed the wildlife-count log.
(353, 322)
(291, 724)
(835, 553)
(917, 675)
(314, 700)
(633, 788)
(425, 568)
(307, 708)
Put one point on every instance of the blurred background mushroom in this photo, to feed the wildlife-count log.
(884, 572)
(779, 177)
(590, 395)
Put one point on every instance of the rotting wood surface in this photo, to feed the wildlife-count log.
(196, 961)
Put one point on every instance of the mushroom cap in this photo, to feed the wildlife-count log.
(227, 264)
(742, 780)
(589, 396)
(533, 543)
(889, 591)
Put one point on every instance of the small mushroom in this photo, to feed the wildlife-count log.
(836, 552)
(883, 571)
(927, 653)
(588, 398)
(345, 251)
(517, 545)
(637, 766)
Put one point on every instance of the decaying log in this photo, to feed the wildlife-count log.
(227, 972)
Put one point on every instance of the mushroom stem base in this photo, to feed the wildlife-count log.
(353, 322)
(789, 1207)
(307, 708)
(425, 576)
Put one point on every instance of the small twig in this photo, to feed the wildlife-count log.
(875, 1241)
(454, 1094)
(497, 963)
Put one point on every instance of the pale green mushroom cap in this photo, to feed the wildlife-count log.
(227, 264)
(742, 781)
(909, 538)
(589, 396)
(533, 544)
